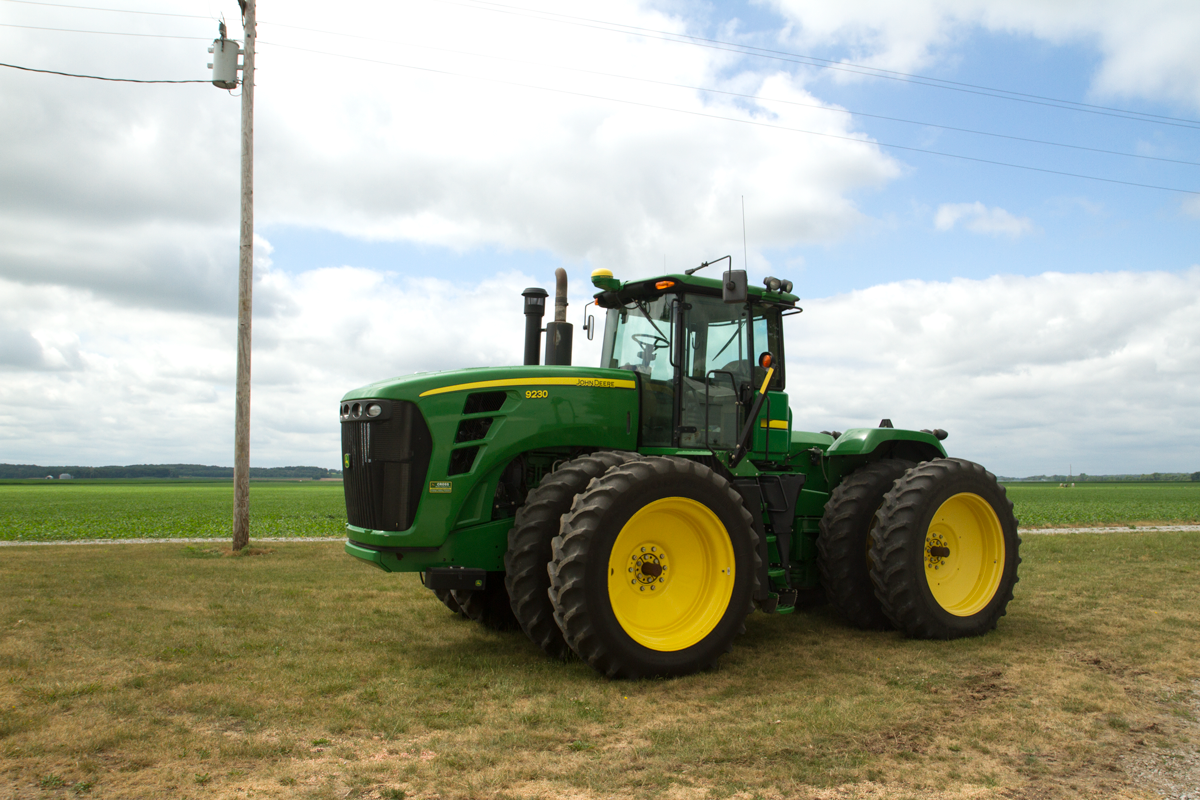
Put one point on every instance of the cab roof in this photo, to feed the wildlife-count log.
(676, 282)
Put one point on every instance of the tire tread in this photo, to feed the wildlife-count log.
(568, 568)
(898, 586)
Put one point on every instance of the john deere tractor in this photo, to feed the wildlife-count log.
(635, 513)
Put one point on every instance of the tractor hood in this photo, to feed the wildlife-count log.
(431, 384)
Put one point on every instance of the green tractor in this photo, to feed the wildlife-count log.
(637, 512)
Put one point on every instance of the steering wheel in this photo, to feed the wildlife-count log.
(652, 340)
(738, 368)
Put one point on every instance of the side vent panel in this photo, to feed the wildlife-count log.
(484, 402)
(471, 430)
(462, 460)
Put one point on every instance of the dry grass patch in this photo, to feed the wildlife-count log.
(149, 671)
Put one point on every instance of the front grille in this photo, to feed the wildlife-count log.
(385, 463)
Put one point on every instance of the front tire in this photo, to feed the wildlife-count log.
(489, 606)
(530, 550)
(447, 598)
(655, 569)
(945, 551)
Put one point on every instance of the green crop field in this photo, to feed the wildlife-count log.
(53, 511)
(1042, 505)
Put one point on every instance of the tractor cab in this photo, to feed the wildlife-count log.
(702, 352)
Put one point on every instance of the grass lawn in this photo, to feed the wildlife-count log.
(150, 671)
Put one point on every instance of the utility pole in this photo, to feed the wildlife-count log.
(241, 434)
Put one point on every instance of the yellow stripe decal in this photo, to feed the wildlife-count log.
(592, 383)
(776, 424)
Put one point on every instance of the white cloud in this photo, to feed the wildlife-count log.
(1148, 48)
(978, 218)
(118, 243)
(434, 132)
(1026, 373)
(1191, 206)
(87, 382)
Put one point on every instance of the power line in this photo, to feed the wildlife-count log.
(823, 63)
(755, 98)
(670, 36)
(106, 33)
(113, 10)
(95, 77)
(544, 15)
(952, 128)
(756, 123)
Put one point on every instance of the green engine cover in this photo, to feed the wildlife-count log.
(479, 421)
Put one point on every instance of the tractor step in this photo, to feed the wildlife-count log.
(787, 601)
(783, 602)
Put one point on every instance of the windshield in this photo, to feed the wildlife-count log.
(700, 403)
(638, 338)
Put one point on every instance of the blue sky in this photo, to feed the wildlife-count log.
(418, 163)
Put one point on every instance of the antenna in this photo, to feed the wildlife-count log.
(694, 270)
(745, 250)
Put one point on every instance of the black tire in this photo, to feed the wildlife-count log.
(447, 598)
(843, 545)
(489, 606)
(529, 546)
(944, 553)
(661, 514)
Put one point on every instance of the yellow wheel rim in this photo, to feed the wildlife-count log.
(670, 574)
(964, 554)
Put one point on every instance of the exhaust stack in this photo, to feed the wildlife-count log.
(558, 333)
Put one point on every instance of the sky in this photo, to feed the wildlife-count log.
(990, 211)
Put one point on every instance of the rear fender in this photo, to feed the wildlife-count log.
(857, 446)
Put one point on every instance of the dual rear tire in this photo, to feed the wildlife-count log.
(844, 542)
(931, 550)
(945, 551)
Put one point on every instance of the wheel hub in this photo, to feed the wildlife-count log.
(936, 551)
(647, 568)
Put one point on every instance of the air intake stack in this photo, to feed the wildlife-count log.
(558, 333)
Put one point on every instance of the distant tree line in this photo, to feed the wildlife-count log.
(18, 471)
(1083, 477)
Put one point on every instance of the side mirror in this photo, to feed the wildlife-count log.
(589, 323)
(733, 286)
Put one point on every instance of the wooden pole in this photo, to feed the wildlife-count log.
(241, 434)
